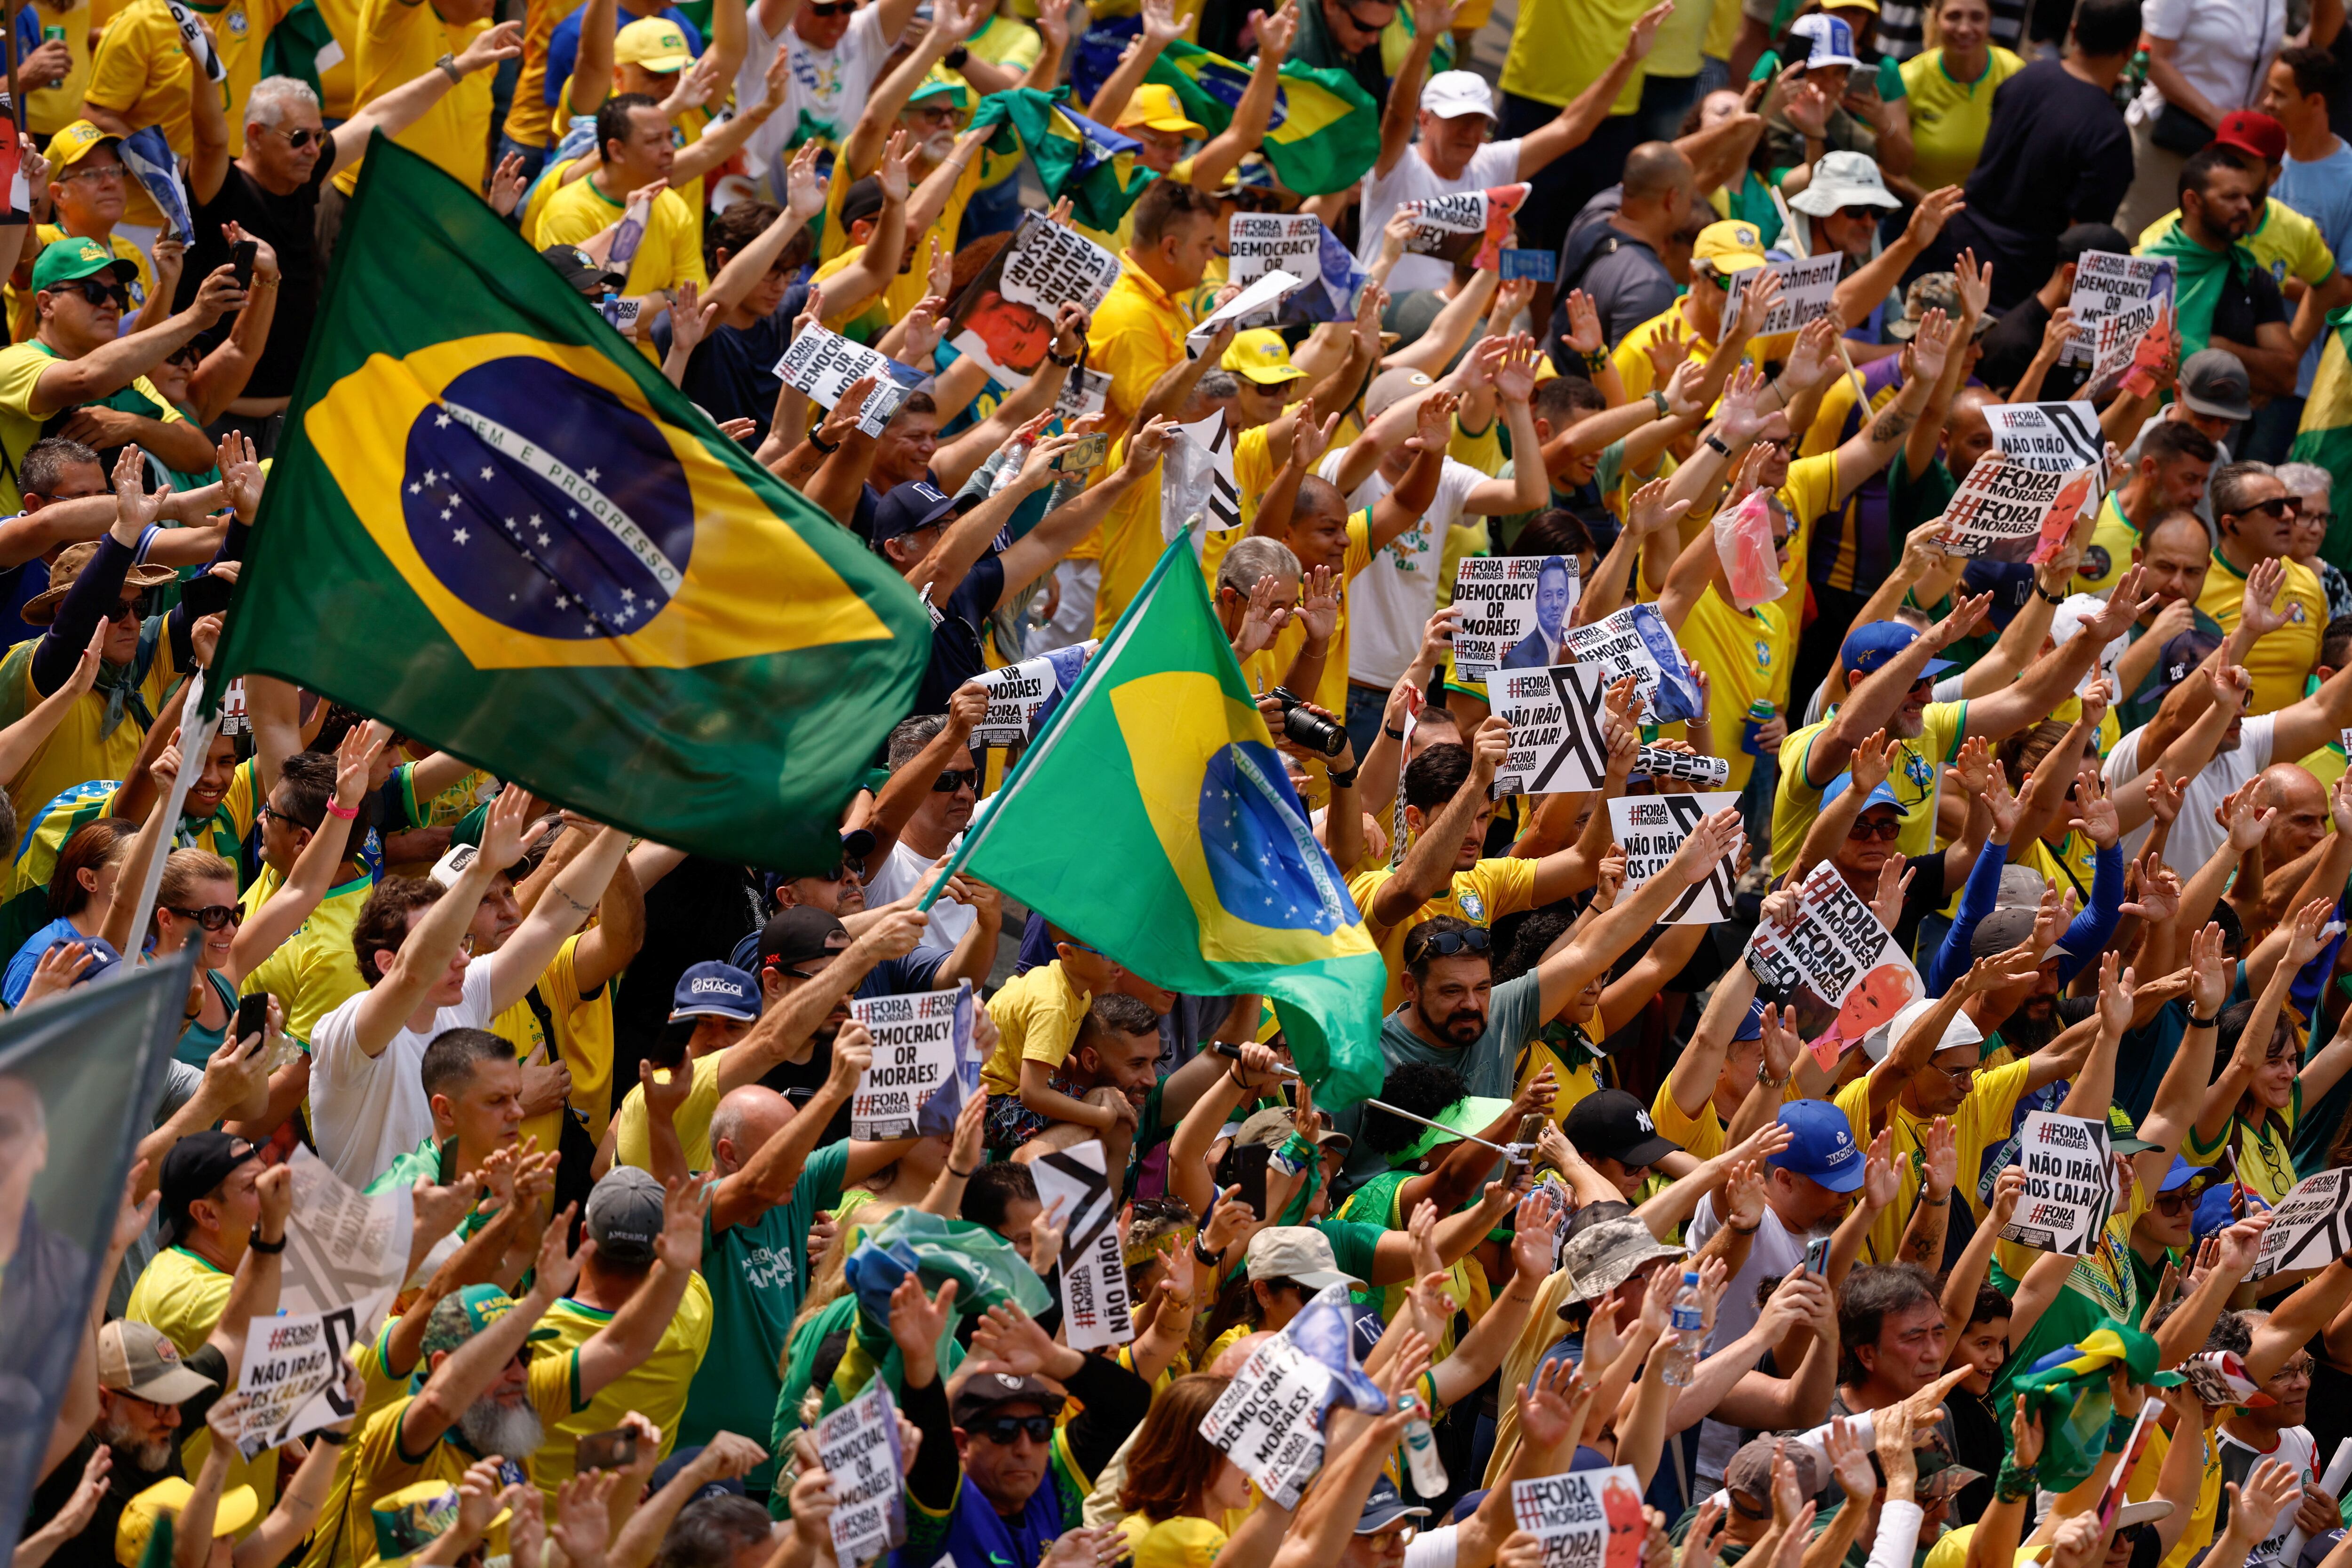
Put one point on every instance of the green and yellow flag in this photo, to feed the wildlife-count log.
(2325, 437)
(494, 524)
(1198, 869)
(1092, 164)
(1324, 133)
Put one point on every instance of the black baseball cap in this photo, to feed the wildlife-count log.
(862, 200)
(795, 935)
(917, 504)
(1615, 1124)
(988, 1390)
(196, 1166)
(579, 271)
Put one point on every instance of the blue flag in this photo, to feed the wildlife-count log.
(149, 158)
(1324, 1330)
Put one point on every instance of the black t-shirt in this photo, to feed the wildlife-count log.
(957, 627)
(287, 224)
(2055, 154)
(698, 912)
(732, 373)
(94, 1547)
(2249, 301)
(2009, 348)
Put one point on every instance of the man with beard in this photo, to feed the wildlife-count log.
(2175, 460)
(486, 1396)
(809, 968)
(2227, 299)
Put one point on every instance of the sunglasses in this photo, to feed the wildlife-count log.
(2276, 506)
(212, 916)
(1003, 1429)
(831, 7)
(957, 779)
(98, 293)
(2175, 1202)
(1445, 944)
(1358, 22)
(129, 609)
(1889, 829)
(302, 136)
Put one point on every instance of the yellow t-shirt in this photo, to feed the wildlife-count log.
(1180, 1542)
(2281, 662)
(398, 41)
(633, 1144)
(2142, 1487)
(1949, 117)
(79, 749)
(1264, 669)
(143, 72)
(913, 282)
(1746, 657)
(583, 1033)
(1483, 894)
(381, 1385)
(1036, 1016)
(21, 365)
(1809, 493)
(180, 1296)
(1982, 1119)
(655, 1388)
(1130, 532)
(48, 110)
(1136, 336)
(2287, 243)
(1575, 1084)
(314, 971)
(551, 1385)
(669, 254)
(1561, 46)
(23, 319)
(2109, 554)
(1915, 772)
(1631, 354)
(1701, 1136)
(527, 119)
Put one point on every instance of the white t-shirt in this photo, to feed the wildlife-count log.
(1773, 1251)
(1431, 1548)
(2195, 835)
(1390, 601)
(2296, 1447)
(2224, 44)
(367, 1111)
(829, 86)
(1412, 180)
(905, 870)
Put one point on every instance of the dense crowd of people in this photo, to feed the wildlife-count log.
(1624, 1201)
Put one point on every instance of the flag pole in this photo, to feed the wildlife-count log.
(1508, 1151)
(193, 745)
(1043, 743)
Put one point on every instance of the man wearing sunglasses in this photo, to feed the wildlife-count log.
(87, 193)
(2256, 513)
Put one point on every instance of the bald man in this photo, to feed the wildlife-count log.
(1616, 249)
(2300, 802)
(2171, 640)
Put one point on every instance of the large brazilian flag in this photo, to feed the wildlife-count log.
(1151, 819)
(2326, 436)
(493, 524)
(1324, 133)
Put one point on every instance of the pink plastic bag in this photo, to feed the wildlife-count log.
(1743, 539)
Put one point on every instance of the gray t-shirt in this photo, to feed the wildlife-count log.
(1514, 1013)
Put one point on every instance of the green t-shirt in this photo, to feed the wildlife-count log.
(2102, 1285)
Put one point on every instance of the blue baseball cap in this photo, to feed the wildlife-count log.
(915, 505)
(1751, 1025)
(2182, 1174)
(1821, 1146)
(715, 990)
(1868, 648)
(2213, 1208)
(1882, 795)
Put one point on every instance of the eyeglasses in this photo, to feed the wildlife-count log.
(107, 174)
(98, 293)
(2276, 506)
(957, 779)
(1889, 828)
(1445, 944)
(212, 916)
(1957, 1074)
(2293, 1372)
(302, 136)
(1003, 1429)
(267, 810)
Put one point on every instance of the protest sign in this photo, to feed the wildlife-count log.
(2058, 437)
(1334, 286)
(1196, 476)
(857, 1444)
(345, 1254)
(194, 42)
(288, 1360)
(1683, 767)
(1808, 286)
(1635, 642)
(1085, 391)
(1837, 964)
(823, 363)
(1094, 1275)
(1465, 226)
(2069, 1183)
(918, 1037)
(1555, 718)
(1514, 612)
(1261, 243)
(1585, 1518)
(1017, 693)
(2115, 341)
(2005, 510)
(1004, 316)
(150, 160)
(2310, 1228)
(2107, 283)
(1650, 828)
(1258, 297)
(1264, 1421)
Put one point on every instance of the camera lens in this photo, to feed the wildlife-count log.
(1321, 736)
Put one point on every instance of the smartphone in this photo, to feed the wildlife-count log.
(1531, 1126)
(1817, 1255)
(252, 1017)
(613, 1450)
(240, 256)
(1543, 265)
(1088, 453)
(206, 595)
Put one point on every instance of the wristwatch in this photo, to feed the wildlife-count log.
(1717, 441)
(1659, 399)
(2047, 598)
(954, 58)
(447, 66)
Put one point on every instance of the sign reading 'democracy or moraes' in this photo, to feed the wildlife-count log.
(857, 1444)
(1094, 1274)
(1651, 828)
(2069, 1183)
(1635, 641)
(1557, 745)
(918, 1039)
(1265, 1420)
(823, 364)
(1514, 612)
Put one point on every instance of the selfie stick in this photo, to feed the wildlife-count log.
(1508, 1151)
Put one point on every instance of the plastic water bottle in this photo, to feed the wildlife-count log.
(1683, 1355)
(1420, 1452)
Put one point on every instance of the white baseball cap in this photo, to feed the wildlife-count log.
(1450, 94)
(1878, 1043)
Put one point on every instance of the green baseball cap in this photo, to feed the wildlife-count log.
(69, 260)
(1465, 1117)
(482, 1306)
(941, 82)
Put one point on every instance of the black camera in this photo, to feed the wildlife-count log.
(1305, 727)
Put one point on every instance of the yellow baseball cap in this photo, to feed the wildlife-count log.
(1262, 356)
(654, 44)
(1155, 107)
(1731, 245)
(69, 146)
(239, 1508)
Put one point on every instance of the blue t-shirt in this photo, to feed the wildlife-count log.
(563, 47)
(19, 973)
(2321, 190)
